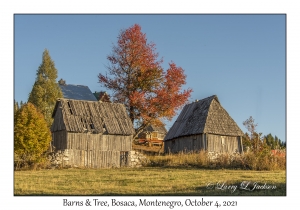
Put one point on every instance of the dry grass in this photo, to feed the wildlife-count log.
(248, 161)
(144, 181)
(156, 149)
(173, 174)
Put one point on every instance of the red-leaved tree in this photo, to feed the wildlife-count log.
(137, 80)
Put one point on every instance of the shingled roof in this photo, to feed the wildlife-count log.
(153, 128)
(91, 116)
(204, 116)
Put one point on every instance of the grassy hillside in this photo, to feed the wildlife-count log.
(150, 181)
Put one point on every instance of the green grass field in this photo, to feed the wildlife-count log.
(150, 181)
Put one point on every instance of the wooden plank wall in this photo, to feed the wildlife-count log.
(209, 142)
(94, 158)
(185, 144)
(240, 142)
(58, 122)
(231, 144)
(92, 150)
(87, 141)
(59, 140)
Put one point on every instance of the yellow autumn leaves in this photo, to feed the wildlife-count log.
(32, 136)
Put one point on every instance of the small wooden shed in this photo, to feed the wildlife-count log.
(204, 125)
(93, 134)
(102, 96)
(153, 134)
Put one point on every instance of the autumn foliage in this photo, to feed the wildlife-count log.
(137, 79)
(31, 135)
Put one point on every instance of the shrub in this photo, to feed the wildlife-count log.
(32, 137)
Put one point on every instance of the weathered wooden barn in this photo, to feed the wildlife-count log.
(153, 134)
(204, 125)
(93, 134)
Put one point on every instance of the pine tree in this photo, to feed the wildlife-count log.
(276, 142)
(270, 141)
(45, 90)
(32, 136)
(16, 106)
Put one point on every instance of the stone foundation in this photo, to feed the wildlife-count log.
(59, 159)
(137, 159)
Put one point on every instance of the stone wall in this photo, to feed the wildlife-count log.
(216, 158)
(137, 159)
(215, 155)
(59, 159)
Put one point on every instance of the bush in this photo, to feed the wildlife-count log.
(264, 160)
(32, 138)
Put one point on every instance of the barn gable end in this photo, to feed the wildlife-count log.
(204, 125)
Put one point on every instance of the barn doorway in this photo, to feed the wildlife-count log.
(223, 149)
(124, 159)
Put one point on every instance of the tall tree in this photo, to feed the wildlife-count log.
(45, 90)
(251, 126)
(270, 141)
(16, 106)
(255, 138)
(277, 145)
(31, 134)
(274, 143)
(137, 80)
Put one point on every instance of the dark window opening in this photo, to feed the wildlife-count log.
(70, 107)
(83, 122)
(92, 126)
(123, 158)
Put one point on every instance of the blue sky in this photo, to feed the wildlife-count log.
(239, 58)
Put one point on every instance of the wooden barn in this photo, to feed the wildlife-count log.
(102, 96)
(204, 125)
(153, 134)
(93, 134)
